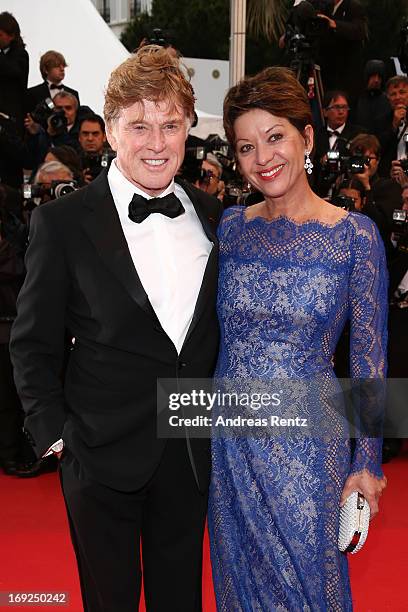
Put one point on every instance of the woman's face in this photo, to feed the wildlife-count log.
(271, 152)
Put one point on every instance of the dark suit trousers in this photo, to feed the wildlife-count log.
(167, 515)
(11, 414)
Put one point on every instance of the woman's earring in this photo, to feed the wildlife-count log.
(308, 163)
(249, 186)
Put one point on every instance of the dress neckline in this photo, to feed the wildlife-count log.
(282, 219)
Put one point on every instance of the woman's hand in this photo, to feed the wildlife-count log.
(370, 486)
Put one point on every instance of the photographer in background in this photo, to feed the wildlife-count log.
(211, 176)
(373, 105)
(95, 154)
(341, 46)
(52, 68)
(335, 136)
(392, 138)
(54, 124)
(13, 70)
(48, 174)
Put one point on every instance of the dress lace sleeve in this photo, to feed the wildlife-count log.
(368, 337)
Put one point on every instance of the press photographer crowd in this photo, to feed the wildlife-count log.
(51, 143)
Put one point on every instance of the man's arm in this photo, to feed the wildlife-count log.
(37, 339)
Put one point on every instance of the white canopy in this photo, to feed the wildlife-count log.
(91, 49)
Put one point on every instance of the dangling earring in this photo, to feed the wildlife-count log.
(248, 187)
(308, 163)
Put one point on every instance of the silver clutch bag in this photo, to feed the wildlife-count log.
(354, 523)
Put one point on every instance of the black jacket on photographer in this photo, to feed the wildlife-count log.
(14, 64)
(341, 49)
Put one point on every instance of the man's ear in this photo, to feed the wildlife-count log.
(110, 136)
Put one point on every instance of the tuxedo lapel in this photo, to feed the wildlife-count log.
(207, 221)
(102, 225)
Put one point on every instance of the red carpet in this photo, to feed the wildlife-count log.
(36, 553)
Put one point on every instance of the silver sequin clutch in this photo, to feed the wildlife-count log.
(354, 523)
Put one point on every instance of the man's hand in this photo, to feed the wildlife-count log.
(51, 131)
(331, 23)
(400, 113)
(398, 174)
(31, 126)
(364, 178)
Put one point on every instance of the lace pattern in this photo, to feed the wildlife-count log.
(285, 293)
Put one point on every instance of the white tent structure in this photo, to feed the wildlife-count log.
(92, 51)
(77, 30)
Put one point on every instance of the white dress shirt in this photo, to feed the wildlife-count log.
(170, 255)
(333, 137)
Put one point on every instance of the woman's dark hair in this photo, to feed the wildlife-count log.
(69, 157)
(274, 90)
(9, 25)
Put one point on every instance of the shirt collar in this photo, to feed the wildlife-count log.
(339, 129)
(336, 8)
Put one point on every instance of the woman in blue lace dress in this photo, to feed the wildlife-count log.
(293, 270)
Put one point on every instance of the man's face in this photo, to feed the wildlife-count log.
(398, 95)
(374, 82)
(68, 106)
(91, 137)
(337, 112)
(56, 74)
(149, 140)
(5, 39)
(213, 177)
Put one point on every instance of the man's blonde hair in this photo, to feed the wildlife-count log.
(150, 74)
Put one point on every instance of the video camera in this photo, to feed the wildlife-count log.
(94, 164)
(46, 113)
(304, 28)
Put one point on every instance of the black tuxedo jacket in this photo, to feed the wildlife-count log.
(40, 92)
(347, 135)
(80, 277)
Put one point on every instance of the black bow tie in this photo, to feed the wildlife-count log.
(52, 86)
(140, 208)
(333, 133)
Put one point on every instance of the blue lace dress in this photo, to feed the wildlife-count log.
(286, 291)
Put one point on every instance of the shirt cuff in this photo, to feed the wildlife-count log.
(57, 447)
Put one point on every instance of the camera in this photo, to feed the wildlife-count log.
(56, 190)
(337, 164)
(400, 229)
(343, 201)
(304, 28)
(94, 164)
(45, 113)
(404, 165)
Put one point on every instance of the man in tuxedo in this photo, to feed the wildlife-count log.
(335, 136)
(394, 136)
(128, 265)
(52, 68)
